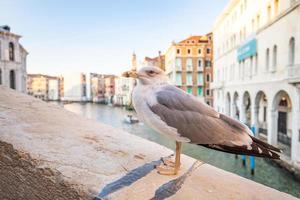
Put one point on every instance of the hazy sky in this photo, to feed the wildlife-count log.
(100, 36)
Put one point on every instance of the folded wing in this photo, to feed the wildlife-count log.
(204, 126)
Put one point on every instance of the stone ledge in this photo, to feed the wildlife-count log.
(77, 158)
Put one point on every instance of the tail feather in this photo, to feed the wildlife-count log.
(257, 150)
(266, 145)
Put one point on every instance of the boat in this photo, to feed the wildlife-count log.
(130, 119)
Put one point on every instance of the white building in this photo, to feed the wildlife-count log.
(122, 93)
(75, 87)
(53, 89)
(257, 69)
(12, 60)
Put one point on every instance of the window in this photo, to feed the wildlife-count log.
(199, 51)
(178, 79)
(178, 64)
(207, 63)
(207, 92)
(269, 13)
(0, 77)
(12, 79)
(189, 64)
(0, 51)
(199, 63)
(257, 21)
(256, 64)
(178, 51)
(200, 79)
(189, 51)
(189, 79)
(207, 78)
(274, 63)
(189, 90)
(276, 7)
(200, 91)
(208, 51)
(267, 59)
(292, 51)
(11, 51)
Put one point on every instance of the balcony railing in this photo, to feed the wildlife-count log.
(293, 75)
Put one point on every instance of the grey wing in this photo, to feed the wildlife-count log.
(204, 126)
(197, 121)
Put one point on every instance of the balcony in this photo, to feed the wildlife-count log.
(293, 74)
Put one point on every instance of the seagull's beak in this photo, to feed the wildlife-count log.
(132, 74)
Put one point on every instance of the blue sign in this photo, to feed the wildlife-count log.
(247, 50)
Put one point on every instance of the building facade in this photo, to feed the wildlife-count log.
(98, 88)
(158, 61)
(189, 65)
(122, 93)
(43, 86)
(54, 89)
(13, 72)
(257, 69)
(109, 88)
(75, 87)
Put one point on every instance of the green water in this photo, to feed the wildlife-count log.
(265, 173)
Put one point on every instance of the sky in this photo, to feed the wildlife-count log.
(100, 36)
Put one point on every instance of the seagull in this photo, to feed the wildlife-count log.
(182, 117)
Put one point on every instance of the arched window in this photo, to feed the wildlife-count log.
(207, 78)
(12, 79)
(267, 59)
(292, 51)
(274, 63)
(11, 51)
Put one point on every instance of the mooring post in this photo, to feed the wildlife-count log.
(252, 158)
(244, 160)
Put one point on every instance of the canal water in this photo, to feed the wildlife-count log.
(265, 172)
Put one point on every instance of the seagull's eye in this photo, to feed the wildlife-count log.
(151, 72)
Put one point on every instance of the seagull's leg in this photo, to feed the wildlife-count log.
(177, 157)
(168, 167)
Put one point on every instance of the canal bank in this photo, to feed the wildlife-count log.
(47, 152)
(266, 172)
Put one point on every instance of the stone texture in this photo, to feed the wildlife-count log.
(57, 154)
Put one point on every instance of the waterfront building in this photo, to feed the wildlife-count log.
(109, 81)
(12, 60)
(158, 61)
(54, 89)
(189, 66)
(257, 69)
(43, 86)
(97, 88)
(122, 93)
(75, 87)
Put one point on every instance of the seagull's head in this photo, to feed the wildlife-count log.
(149, 75)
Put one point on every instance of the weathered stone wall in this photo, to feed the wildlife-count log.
(20, 178)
